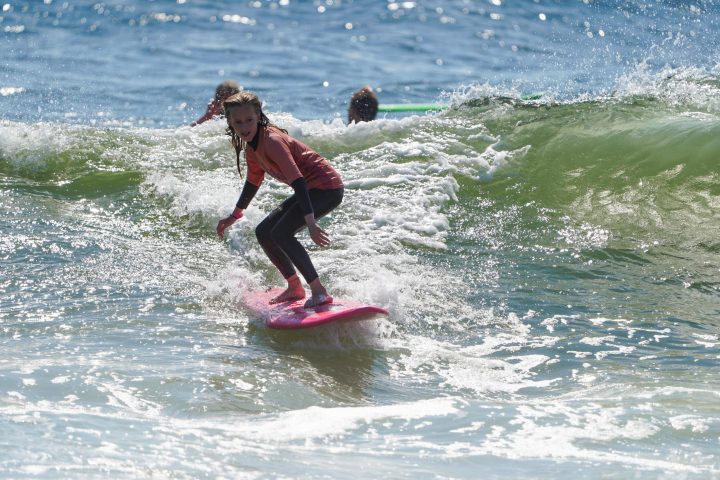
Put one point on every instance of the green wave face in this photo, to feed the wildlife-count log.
(615, 201)
(639, 169)
(67, 162)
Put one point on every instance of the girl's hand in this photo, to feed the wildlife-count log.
(223, 224)
(318, 235)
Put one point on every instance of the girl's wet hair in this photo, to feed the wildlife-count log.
(238, 100)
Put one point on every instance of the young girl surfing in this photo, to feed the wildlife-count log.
(318, 190)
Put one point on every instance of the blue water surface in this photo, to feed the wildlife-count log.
(159, 61)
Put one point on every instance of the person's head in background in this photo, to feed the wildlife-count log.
(226, 89)
(363, 106)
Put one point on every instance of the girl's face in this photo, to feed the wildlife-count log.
(244, 120)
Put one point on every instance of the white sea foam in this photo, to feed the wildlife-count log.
(319, 422)
(396, 194)
(678, 86)
(24, 147)
(473, 368)
(7, 91)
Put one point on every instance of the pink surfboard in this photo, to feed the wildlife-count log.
(292, 315)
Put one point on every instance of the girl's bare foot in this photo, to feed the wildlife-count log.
(319, 295)
(317, 300)
(294, 291)
(289, 295)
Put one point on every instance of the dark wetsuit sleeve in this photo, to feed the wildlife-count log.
(248, 192)
(302, 195)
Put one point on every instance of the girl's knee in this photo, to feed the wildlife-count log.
(262, 232)
(278, 235)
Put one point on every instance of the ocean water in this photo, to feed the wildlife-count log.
(551, 266)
